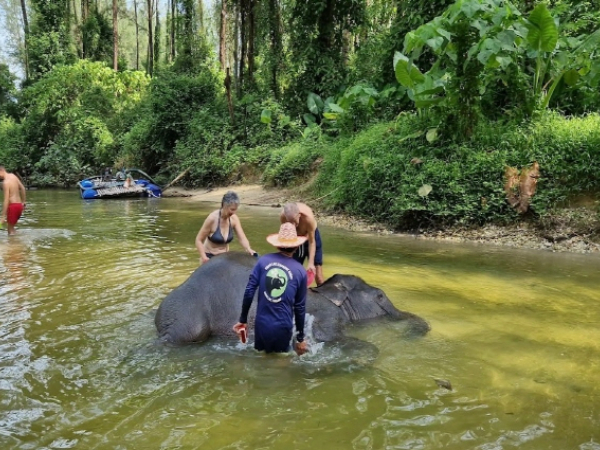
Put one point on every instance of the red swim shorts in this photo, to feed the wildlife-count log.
(14, 213)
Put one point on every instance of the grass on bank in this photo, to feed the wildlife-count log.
(390, 173)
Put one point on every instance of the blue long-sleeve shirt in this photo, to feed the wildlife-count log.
(282, 285)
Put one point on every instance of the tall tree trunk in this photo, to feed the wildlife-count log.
(137, 36)
(326, 25)
(173, 23)
(85, 9)
(68, 18)
(115, 36)
(157, 36)
(347, 40)
(236, 45)
(150, 66)
(251, 34)
(187, 34)
(227, 84)
(243, 43)
(77, 29)
(25, 44)
(223, 36)
(85, 13)
(200, 16)
(276, 45)
(325, 38)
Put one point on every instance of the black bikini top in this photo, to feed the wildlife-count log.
(217, 237)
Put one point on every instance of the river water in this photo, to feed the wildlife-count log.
(516, 333)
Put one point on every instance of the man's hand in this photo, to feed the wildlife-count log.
(311, 268)
(238, 328)
(241, 330)
(319, 276)
(301, 348)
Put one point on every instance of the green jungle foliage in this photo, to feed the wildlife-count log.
(173, 99)
(97, 37)
(11, 142)
(379, 41)
(319, 29)
(402, 111)
(49, 42)
(392, 173)
(72, 120)
(7, 91)
(481, 45)
(292, 163)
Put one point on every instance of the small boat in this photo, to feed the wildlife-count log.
(126, 183)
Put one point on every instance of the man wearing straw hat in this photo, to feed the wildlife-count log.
(282, 284)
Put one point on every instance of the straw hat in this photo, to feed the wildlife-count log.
(287, 237)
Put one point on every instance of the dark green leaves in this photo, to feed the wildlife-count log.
(314, 103)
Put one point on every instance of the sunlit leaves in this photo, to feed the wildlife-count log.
(425, 190)
(504, 39)
(543, 32)
(407, 74)
(431, 135)
(265, 116)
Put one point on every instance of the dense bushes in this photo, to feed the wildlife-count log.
(72, 118)
(569, 152)
(392, 174)
(166, 116)
(205, 149)
(214, 150)
(292, 163)
(11, 143)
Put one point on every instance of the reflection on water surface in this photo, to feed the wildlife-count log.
(516, 333)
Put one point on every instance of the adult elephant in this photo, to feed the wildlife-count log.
(209, 303)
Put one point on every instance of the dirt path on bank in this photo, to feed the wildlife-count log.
(250, 194)
(565, 237)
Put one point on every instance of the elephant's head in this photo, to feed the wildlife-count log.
(359, 301)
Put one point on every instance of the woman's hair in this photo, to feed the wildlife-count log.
(230, 198)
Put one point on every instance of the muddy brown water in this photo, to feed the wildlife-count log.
(515, 332)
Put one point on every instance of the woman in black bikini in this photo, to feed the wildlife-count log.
(218, 229)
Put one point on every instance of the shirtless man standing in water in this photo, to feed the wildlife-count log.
(303, 217)
(14, 199)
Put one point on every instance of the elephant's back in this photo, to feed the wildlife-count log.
(208, 302)
(224, 285)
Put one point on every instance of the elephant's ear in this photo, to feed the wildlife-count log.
(334, 290)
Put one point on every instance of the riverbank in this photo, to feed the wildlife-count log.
(575, 230)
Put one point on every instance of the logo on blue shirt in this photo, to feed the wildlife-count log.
(277, 281)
